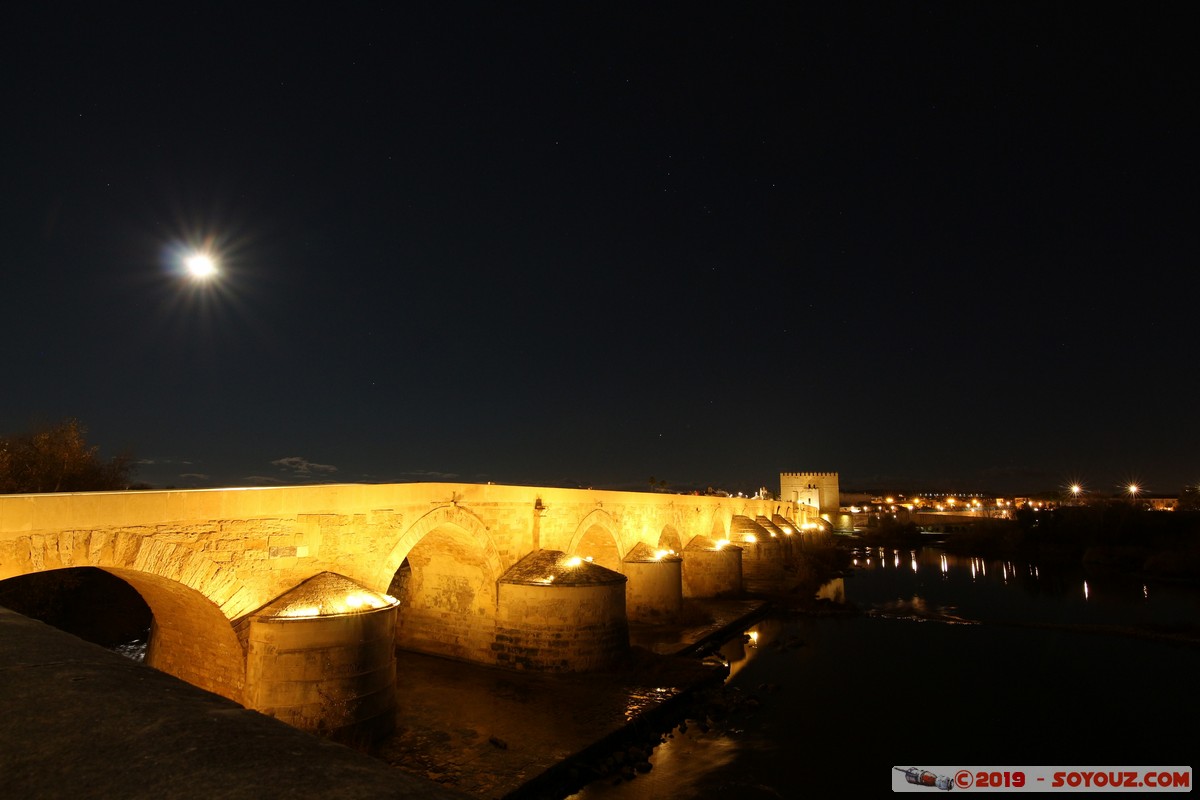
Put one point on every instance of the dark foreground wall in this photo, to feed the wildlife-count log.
(78, 721)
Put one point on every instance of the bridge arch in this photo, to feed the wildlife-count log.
(669, 539)
(444, 573)
(720, 524)
(447, 515)
(190, 637)
(596, 536)
(192, 598)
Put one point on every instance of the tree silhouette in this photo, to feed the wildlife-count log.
(57, 458)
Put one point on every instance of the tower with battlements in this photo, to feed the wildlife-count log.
(817, 489)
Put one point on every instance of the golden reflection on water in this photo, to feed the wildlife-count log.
(641, 700)
(681, 765)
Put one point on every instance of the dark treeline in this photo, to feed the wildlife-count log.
(57, 458)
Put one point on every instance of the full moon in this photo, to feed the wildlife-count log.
(200, 266)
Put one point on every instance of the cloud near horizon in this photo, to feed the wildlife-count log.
(430, 473)
(264, 479)
(302, 466)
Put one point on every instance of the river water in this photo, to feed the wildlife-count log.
(944, 659)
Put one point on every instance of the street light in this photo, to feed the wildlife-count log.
(1133, 489)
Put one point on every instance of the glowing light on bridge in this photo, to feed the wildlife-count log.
(329, 596)
(301, 611)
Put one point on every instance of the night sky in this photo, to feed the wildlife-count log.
(926, 245)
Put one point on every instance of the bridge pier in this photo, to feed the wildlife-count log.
(322, 658)
(711, 569)
(654, 592)
(762, 556)
(557, 613)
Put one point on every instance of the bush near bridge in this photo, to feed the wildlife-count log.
(57, 458)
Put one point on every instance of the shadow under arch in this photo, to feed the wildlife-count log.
(669, 539)
(445, 569)
(722, 520)
(596, 537)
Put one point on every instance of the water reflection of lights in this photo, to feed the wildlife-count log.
(913, 556)
(1085, 590)
(639, 702)
(896, 559)
(1145, 592)
(945, 564)
(978, 568)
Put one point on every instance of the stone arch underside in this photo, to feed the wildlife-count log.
(446, 587)
(190, 637)
(720, 526)
(192, 599)
(596, 537)
(669, 539)
(600, 546)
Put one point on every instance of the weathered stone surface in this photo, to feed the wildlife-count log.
(78, 721)
(553, 566)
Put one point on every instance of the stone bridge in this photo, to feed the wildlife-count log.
(466, 571)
